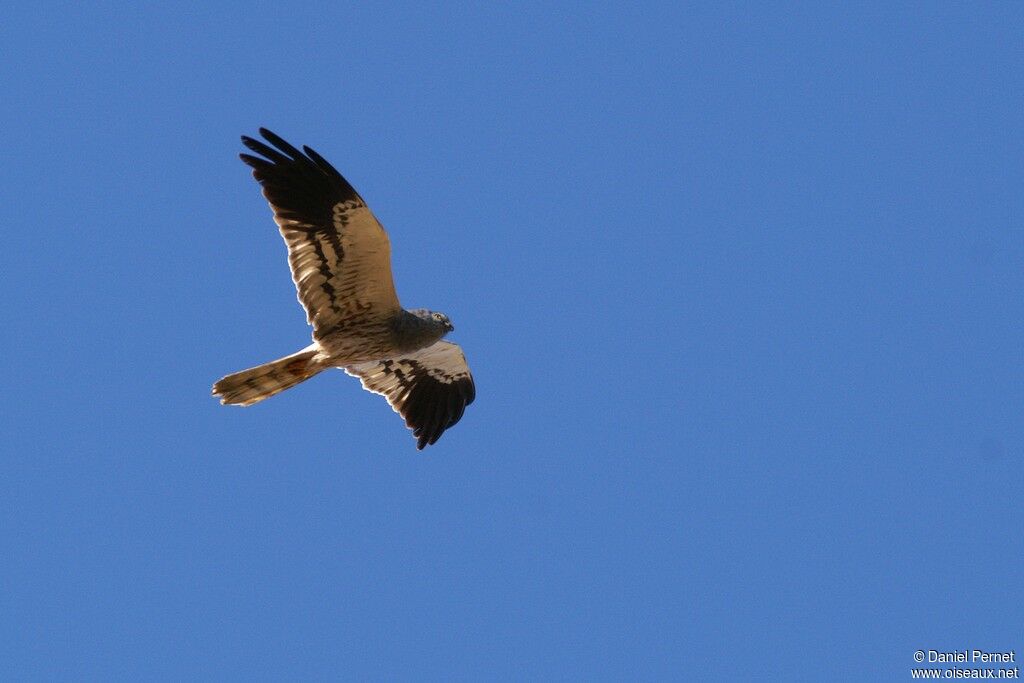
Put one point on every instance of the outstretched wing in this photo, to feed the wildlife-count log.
(339, 254)
(429, 388)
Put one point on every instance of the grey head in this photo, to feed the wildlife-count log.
(419, 328)
(438, 321)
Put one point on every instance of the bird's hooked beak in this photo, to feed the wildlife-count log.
(449, 327)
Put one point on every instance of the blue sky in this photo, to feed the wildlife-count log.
(741, 287)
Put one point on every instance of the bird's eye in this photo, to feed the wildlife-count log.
(437, 316)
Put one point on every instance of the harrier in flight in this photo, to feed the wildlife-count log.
(340, 258)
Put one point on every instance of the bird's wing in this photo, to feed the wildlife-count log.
(339, 254)
(429, 388)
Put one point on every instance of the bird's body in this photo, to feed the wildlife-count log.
(340, 258)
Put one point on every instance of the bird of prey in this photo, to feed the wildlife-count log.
(340, 259)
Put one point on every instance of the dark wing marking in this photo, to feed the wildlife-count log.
(339, 253)
(429, 388)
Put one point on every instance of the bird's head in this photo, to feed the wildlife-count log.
(439, 319)
(443, 320)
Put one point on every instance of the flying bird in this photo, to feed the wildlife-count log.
(340, 258)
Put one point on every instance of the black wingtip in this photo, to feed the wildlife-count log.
(279, 142)
(324, 165)
(254, 162)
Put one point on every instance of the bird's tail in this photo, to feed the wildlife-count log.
(255, 384)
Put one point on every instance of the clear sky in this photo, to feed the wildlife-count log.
(741, 287)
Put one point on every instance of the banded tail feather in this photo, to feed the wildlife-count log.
(263, 381)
